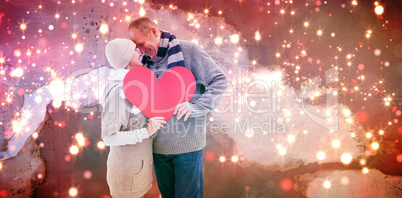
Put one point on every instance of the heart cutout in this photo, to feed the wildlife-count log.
(159, 98)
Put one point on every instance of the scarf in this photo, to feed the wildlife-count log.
(170, 44)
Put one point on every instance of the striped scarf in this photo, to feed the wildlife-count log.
(170, 44)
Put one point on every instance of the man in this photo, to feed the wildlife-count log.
(177, 149)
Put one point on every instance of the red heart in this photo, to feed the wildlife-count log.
(153, 98)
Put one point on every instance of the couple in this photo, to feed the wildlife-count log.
(138, 144)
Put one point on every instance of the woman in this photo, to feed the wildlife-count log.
(125, 129)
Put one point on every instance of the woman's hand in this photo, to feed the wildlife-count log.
(155, 124)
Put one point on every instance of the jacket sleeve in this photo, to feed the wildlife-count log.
(115, 119)
(212, 77)
(126, 137)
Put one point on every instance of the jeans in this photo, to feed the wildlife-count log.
(180, 175)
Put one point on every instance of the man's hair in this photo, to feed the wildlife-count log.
(143, 24)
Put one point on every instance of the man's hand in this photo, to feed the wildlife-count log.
(183, 109)
(155, 124)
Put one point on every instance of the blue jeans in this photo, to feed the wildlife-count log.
(180, 175)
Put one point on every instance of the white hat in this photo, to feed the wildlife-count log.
(119, 52)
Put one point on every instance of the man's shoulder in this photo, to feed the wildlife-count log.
(189, 47)
(186, 44)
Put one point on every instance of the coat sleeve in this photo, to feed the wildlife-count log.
(126, 137)
(212, 77)
(115, 119)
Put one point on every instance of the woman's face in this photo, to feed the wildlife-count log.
(135, 61)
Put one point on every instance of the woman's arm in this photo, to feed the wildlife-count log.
(126, 137)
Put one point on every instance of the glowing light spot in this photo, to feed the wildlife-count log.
(73, 192)
(17, 126)
(220, 12)
(286, 184)
(362, 162)
(2, 60)
(142, 13)
(354, 3)
(51, 27)
(321, 155)
(235, 38)
(80, 139)
(257, 36)
(377, 52)
(349, 120)
(23, 26)
(282, 11)
(79, 47)
(362, 116)
(56, 88)
(56, 103)
(249, 133)
(74, 150)
(346, 112)
(379, 10)
(346, 158)
(375, 145)
(17, 72)
(369, 135)
(278, 55)
(222, 159)
(57, 16)
(319, 32)
(306, 24)
(235, 159)
(101, 145)
(128, 18)
(381, 132)
(17, 53)
(74, 36)
(38, 99)
(254, 62)
(87, 174)
(336, 143)
(365, 170)
(282, 151)
(218, 40)
(399, 158)
(327, 184)
(104, 28)
(35, 135)
(206, 11)
(344, 181)
(291, 138)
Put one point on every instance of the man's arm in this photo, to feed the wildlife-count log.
(212, 77)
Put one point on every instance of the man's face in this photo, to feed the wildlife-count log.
(147, 44)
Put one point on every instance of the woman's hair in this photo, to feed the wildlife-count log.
(143, 24)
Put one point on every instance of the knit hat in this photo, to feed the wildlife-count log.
(119, 52)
